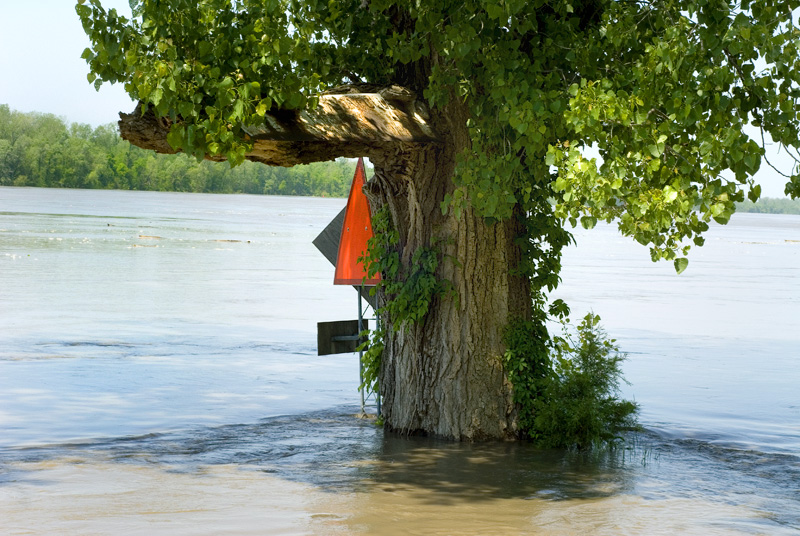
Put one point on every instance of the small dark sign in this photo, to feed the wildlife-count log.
(340, 337)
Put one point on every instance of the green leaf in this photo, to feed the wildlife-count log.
(680, 264)
(204, 48)
(226, 83)
(656, 149)
(494, 10)
(755, 193)
(573, 89)
(175, 137)
(238, 109)
(445, 204)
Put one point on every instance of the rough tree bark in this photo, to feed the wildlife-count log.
(443, 377)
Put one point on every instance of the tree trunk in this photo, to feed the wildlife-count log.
(444, 377)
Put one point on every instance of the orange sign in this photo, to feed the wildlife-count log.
(356, 230)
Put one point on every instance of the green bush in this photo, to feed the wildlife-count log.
(567, 388)
(580, 406)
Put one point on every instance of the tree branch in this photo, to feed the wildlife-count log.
(344, 124)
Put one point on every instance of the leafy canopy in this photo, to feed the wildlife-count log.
(672, 97)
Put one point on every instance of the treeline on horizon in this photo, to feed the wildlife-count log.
(771, 205)
(43, 150)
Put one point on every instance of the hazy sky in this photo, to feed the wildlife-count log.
(41, 69)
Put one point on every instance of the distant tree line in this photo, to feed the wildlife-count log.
(771, 205)
(43, 150)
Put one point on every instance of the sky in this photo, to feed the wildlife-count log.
(41, 70)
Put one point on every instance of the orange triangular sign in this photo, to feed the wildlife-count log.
(356, 230)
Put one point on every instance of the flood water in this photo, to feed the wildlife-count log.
(158, 374)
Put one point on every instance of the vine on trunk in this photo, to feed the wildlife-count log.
(409, 292)
(528, 364)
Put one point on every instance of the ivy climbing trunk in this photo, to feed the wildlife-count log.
(444, 376)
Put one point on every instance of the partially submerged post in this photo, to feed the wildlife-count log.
(356, 230)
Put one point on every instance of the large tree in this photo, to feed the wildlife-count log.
(491, 123)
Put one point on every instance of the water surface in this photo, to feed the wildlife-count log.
(158, 375)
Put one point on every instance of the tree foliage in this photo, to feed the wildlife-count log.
(42, 150)
(663, 92)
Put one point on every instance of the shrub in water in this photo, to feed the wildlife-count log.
(571, 398)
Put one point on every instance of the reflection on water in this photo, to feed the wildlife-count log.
(157, 375)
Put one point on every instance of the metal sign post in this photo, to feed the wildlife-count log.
(360, 350)
(352, 227)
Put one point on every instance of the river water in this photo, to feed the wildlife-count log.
(158, 374)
